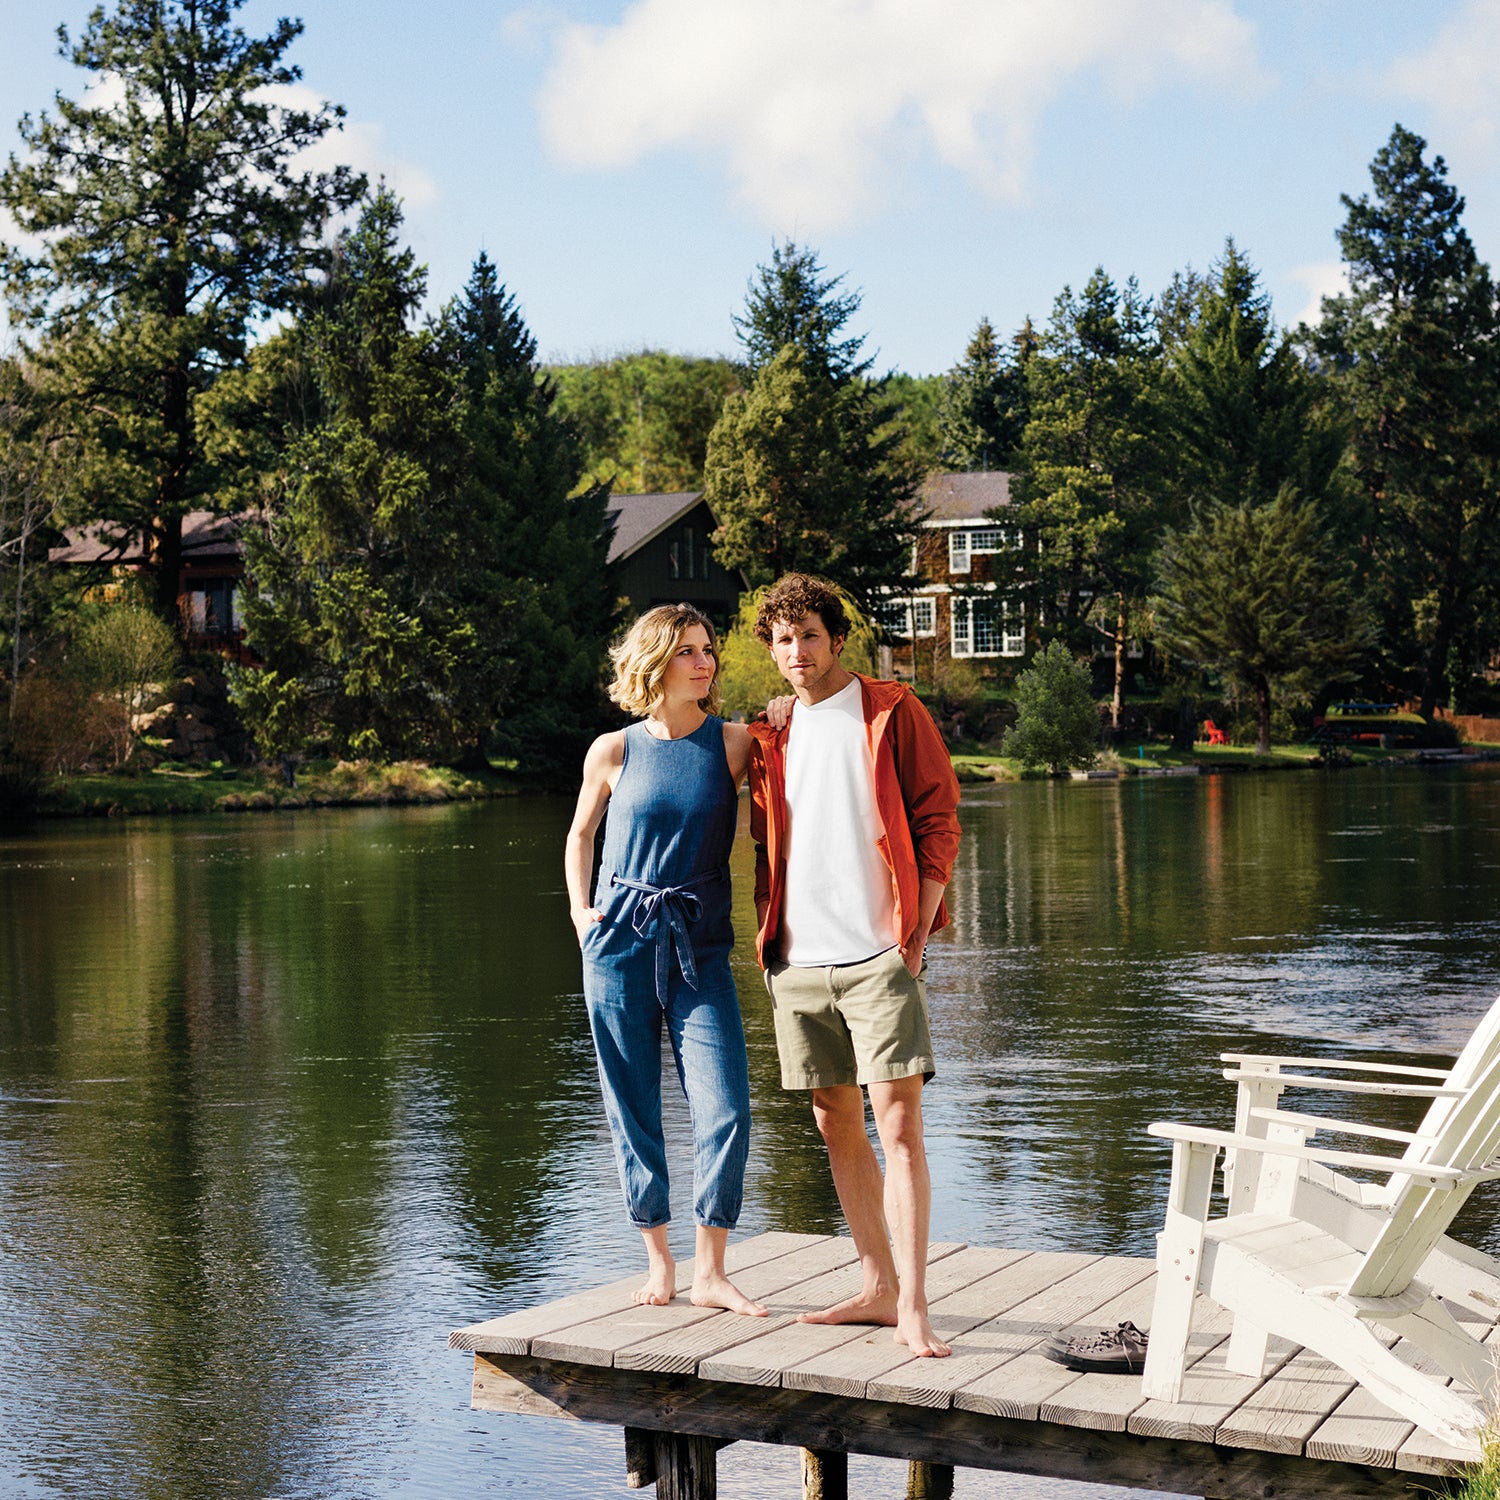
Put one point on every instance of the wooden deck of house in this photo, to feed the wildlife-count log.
(683, 1381)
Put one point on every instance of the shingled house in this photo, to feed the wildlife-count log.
(208, 585)
(961, 610)
(662, 554)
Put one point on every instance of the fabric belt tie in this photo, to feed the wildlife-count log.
(664, 914)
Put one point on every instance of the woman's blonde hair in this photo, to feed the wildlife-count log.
(641, 658)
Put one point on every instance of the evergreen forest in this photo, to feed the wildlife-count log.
(200, 323)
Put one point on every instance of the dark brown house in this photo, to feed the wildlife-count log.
(208, 586)
(662, 553)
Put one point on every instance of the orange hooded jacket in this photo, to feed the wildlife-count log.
(916, 799)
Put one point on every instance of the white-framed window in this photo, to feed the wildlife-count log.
(986, 625)
(965, 543)
(907, 619)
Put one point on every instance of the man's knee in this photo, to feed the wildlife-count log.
(897, 1105)
(839, 1112)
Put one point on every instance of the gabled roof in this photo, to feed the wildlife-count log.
(204, 533)
(638, 518)
(964, 497)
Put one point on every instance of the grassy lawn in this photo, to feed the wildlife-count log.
(178, 787)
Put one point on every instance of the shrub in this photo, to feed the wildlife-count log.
(120, 653)
(1057, 721)
(58, 726)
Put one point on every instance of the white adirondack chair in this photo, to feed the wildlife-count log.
(1345, 1206)
(1283, 1274)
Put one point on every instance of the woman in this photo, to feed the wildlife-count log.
(657, 936)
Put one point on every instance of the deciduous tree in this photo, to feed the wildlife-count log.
(644, 419)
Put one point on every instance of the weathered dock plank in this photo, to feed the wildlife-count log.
(1283, 1412)
(513, 1332)
(620, 1333)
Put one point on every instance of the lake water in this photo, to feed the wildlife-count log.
(283, 1099)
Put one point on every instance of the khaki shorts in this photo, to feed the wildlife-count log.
(850, 1023)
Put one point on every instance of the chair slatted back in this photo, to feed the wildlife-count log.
(1482, 1048)
(1467, 1138)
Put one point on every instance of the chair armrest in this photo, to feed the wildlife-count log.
(1315, 1123)
(1227, 1140)
(1345, 1085)
(1400, 1070)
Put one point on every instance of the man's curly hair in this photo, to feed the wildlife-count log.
(796, 595)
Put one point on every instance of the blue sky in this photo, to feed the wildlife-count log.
(626, 163)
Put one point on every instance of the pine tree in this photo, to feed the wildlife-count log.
(1244, 415)
(1245, 422)
(539, 586)
(1413, 346)
(360, 612)
(1259, 594)
(791, 301)
(172, 224)
(983, 410)
(804, 470)
(1057, 722)
(802, 479)
(1089, 487)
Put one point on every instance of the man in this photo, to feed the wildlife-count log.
(855, 820)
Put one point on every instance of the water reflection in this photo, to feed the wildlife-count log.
(282, 1100)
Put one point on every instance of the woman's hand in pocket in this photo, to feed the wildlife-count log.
(584, 917)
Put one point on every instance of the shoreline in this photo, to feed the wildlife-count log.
(979, 768)
(320, 785)
(244, 789)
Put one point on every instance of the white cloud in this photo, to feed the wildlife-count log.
(361, 145)
(1328, 278)
(810, 104)
(1455, 75)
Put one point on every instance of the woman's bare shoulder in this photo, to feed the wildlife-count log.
(606, 751)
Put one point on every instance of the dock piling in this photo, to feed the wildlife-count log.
(825, 1475)
(926, 1481)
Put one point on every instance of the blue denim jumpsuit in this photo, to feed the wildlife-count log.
(661, 957)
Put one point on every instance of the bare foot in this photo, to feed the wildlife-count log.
(719, 1291)
(876, 1307)
(913, 1330)
(660, 1287)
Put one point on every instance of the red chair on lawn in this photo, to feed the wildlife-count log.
(1216, 736)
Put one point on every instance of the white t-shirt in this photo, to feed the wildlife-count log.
(840, 905)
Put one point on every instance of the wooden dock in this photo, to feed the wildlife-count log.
(683, 1381)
